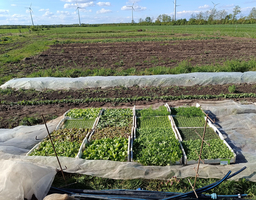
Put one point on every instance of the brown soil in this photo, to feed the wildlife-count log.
(120, 56)
(12, 116)
(140, 55)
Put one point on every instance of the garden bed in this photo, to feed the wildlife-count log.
(109, 141)
(189, 127)
(155, 142)
(80, 118)
(67, 143)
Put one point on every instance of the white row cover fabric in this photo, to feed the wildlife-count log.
(190, 79)
(19, 180)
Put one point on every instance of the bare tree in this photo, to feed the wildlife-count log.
(252, 14)
(200, 16)
(221, 14)
(236, 11)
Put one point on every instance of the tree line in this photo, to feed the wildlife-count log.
(212, 16)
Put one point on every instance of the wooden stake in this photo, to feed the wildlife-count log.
(202, 138)
(53, 147)
(213, 121)
(199, 157)
(193, 188)
(201, 150)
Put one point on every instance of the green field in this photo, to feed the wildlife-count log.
(17, 44)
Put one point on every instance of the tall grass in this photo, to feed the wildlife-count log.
(183, 67)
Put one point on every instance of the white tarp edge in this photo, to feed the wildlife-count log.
(190, 79)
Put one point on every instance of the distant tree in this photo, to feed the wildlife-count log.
(252, 14)
(236, 11)
(166, 18)
(141, 20)
(199, 16)
(222, 14)
(148, 19)
(159, 19)
(212, 14)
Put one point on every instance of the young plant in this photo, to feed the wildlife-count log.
(156, 146)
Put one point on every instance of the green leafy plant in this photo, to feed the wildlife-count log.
(161, 111)
(217, 149)
(112, 132)
(115, 117)
(191, 133)
(156, 146)
(107, 149)
(152, 122)
(232, 88)
(187, 111)
(66, 142)
(88, 113)
(182, 121)
(79, 123)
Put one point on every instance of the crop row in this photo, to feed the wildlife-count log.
(125, 100)
(161, 111)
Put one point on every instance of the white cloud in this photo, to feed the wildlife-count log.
(81, 5)
(48, 14)
(102, 11)
(204, 7)
(44, 10)
(85, 11)
(13, 5)
(133, 1)
(187, 12)
(77, 1)
(17, 16)
(4, 11)
(229, 6)
(63, 12)
(103, 3)
(136, 8)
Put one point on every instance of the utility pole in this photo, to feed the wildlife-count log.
(175, 5)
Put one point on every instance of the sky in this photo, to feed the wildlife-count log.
(47, 12)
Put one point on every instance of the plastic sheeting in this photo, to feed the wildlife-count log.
(189, 79)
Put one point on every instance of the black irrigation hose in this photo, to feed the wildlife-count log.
(141, 195)
(200, 190)
(208, 187)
